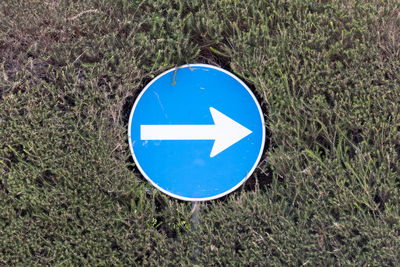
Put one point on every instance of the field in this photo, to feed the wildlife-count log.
(326, 192)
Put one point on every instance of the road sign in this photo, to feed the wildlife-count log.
(196, 132)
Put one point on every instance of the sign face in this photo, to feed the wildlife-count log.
(196, 132)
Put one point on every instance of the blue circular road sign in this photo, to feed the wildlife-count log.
(196, 132)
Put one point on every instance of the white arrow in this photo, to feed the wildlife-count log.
(224, 131)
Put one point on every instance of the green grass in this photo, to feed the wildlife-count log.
(327, 191)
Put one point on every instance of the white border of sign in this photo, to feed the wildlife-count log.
(221, 194)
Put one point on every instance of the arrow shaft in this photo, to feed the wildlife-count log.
(177, 132)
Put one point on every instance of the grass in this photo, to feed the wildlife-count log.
(325, 193)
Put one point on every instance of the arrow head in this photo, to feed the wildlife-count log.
(227, 132)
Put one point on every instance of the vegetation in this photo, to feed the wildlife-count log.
(327, 191)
